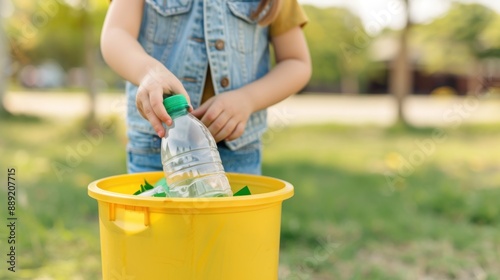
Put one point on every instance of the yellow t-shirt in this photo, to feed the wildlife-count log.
(290, 15)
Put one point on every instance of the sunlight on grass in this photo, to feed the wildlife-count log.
(445, 196)
(370, 203)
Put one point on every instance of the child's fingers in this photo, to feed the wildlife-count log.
(237, 132)
(176, 87)
(190, 108)
(139, 100)
(153, 119)
(226, 130)
(156, 101)
(200, 111)
(219, 123)
(212, 112)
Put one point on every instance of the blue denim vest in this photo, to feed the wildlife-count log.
(189, 35)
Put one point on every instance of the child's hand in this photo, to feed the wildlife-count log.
(149, 99)
(225, 115)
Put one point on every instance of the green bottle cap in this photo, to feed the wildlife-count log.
(175, 103)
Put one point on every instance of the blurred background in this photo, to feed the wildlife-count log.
(392, 146)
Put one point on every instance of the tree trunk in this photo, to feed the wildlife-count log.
(401, 76)
(350, 84)
(475, 79)
(89, 64)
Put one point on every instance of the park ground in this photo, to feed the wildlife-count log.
(296, 110)
(372, 201)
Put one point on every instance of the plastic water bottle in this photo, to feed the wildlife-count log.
(191, 161)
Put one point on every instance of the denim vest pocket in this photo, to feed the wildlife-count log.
(143, 143)
(143, 152)
(164, 19)
(242, 27)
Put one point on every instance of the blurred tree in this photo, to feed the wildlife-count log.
(491, 56)
(63, 31)
(4, 64)
(339, 48)
(490, 38)
(53, 30)
(90, 58)
(460, 41)
(43, 33)
(401, 75)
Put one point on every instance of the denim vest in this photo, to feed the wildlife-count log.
(189, 35)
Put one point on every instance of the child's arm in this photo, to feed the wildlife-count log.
(290, 74)
(123, 53)
(226, 114)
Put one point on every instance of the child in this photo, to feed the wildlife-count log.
(216, 53)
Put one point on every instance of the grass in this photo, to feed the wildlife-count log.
(347, 221)
(370, 203)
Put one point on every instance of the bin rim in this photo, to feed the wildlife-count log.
(277, 196)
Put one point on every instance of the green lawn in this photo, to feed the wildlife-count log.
(370, 203)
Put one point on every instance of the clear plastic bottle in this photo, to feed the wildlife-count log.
(191, 161)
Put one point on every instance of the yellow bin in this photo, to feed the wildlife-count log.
(229, 238)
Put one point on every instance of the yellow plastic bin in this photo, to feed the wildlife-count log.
(228, 238)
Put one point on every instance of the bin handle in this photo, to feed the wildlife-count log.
(112, 213)
(147, 222)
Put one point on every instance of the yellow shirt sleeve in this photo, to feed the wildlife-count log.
(290, 16)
